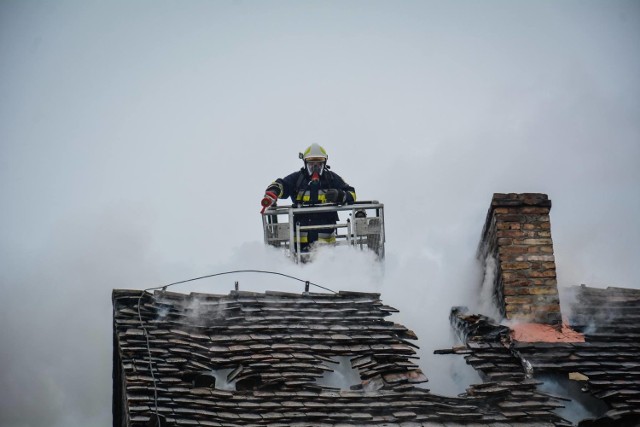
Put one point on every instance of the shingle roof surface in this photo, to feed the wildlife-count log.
(609, 357)
(278, 345)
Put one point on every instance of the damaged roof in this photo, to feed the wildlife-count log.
(252, 359)
(274, 346)
(605, 362)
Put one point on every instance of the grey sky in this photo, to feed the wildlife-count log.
(136, 139)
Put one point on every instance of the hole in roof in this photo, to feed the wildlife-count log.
(221, 379)
(342, 377)
(581, 404)
(449, 375)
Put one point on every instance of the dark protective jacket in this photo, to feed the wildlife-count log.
(303, 192)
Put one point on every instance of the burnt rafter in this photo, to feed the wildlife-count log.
(507, 375)
(473, 327)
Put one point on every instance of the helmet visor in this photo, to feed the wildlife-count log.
(315, 166)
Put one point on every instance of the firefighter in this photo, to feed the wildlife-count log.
(312, 185)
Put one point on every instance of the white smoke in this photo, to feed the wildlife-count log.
(422, 291)
(580, 405)
(487, 302)
(222, 382)
(342, 376)
(136, 140)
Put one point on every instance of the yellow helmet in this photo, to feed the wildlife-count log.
(314, 152)
(315, 159)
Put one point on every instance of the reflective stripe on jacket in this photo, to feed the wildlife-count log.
(300, 189)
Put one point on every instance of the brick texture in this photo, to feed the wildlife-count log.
(517, 233)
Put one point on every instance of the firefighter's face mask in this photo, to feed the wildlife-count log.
(315, 166)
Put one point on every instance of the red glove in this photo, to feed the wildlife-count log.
(269, 199)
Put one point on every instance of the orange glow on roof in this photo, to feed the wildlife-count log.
(537, 332)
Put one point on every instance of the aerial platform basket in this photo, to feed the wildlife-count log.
(364, 228)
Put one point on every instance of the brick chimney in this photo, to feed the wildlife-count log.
(517, 234)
